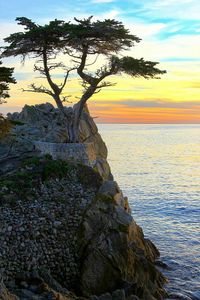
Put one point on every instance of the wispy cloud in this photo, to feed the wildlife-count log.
(173, 9)
(102, 1)
(159, 103)
(6, 29)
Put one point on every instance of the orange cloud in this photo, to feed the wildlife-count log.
(145, 115)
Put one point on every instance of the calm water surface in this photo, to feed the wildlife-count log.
(158, 168)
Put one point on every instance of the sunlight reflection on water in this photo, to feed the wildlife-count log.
(158, 168)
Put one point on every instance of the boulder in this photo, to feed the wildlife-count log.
(113, 252)
(110, 188)
(118, 295)
(4, 293)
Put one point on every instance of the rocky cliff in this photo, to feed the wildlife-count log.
(66, 228)
(45, 124)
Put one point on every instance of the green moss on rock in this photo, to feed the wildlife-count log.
(56, 168)
(88, 176)
(26, 180)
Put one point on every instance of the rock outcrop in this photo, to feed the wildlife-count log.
(116, 255)
(66, 231)
(44, 123)
(4, 293)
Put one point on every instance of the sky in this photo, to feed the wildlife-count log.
(170, 33)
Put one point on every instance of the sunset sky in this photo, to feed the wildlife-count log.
(170, 32)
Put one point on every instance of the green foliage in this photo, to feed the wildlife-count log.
(35, 39)
(18, 186)
(47, 167)
(15, 122)
(26, 181)
(138, 67)
(55, 169)
(88, 177)
(100, 37)
(5, 79)
(104, 198)
(5, 126)
(48, 156)
(33, 161)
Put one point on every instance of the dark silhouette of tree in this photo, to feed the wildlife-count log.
(5, 78)
(80, 41)
(44, 44)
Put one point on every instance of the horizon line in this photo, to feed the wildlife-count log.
(106, 123)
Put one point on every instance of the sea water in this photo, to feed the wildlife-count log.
(158, 168)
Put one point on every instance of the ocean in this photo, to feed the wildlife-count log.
(158, 168)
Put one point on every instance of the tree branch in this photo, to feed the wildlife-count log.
(95, 60)
(65, 78)
(40, 89)
(80, 70)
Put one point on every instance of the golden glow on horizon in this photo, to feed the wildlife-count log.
(178, 86)
(145, 115)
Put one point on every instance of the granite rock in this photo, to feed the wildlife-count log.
(44, 123)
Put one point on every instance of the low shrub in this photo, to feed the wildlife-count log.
(5, 126)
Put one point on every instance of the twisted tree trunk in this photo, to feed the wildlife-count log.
(77, 110)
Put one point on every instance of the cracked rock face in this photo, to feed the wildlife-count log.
(116, 253)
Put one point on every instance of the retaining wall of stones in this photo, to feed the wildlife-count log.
(77, 152)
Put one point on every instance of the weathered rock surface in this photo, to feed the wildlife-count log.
(110, 188)
(44, 123)
(4, 293)
(116, 253)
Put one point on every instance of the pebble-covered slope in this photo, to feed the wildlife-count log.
(40, 213)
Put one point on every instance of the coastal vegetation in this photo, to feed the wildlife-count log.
(5, 126)
(83, 42)
(6, 77)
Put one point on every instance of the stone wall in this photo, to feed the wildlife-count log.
(79, 153)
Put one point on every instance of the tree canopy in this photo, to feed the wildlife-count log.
(5, 78)
(79, 41)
